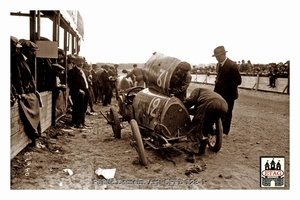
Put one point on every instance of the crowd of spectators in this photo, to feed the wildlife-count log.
(247, 68)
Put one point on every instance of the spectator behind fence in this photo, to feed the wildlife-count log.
(273, 75)
(58, 71)
(227, 80)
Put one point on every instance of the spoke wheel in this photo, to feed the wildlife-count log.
(215, 136)
(139, 145)
(115, 122)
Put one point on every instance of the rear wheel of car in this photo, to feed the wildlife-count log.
(215, 136)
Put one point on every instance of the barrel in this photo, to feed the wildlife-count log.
(158, 71)
(156, 111)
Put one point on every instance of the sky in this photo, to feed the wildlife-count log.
(129, 31)
(189, 30)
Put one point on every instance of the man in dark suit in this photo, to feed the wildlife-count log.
(105, 78)
(79, 92)
(100, 85)
(227, 80)
(95, 82)
(25, 89)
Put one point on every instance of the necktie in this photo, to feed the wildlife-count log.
(218, 68)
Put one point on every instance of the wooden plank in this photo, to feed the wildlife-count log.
(18, 142)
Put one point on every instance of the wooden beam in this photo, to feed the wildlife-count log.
(19, 14)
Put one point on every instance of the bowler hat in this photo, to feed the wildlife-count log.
(219, 51)
(184, 66)
(29, 45)
(134, 65)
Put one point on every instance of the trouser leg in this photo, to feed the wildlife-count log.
(228, 116)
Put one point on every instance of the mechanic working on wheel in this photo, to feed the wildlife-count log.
(207, 107)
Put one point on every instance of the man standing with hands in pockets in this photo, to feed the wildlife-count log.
(227, 80)
(79, 92)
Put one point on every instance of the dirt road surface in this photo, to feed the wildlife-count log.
(260, 127)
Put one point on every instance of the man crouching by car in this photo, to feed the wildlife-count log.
(207, 106)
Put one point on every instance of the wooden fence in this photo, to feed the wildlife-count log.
(248, 82)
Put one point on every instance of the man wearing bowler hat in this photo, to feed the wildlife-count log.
(227, 80)
(79, 92)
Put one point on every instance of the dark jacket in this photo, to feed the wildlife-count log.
(95, 79)
(21, 76)
(227, 80)
(179, 85)
(136, 74)
(98, 74)
(76, 81)
(104, 77)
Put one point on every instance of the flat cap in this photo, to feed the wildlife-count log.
(58, 66)
(80, 58)
(105, 66)
(15, 41)
(71, 56)
(61, 51)
(29, 45)
(87, 66)
(111, 67)
(185, 66)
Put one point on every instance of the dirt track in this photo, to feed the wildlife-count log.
(260, 127)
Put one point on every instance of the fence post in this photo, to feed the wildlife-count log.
(257, 82)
